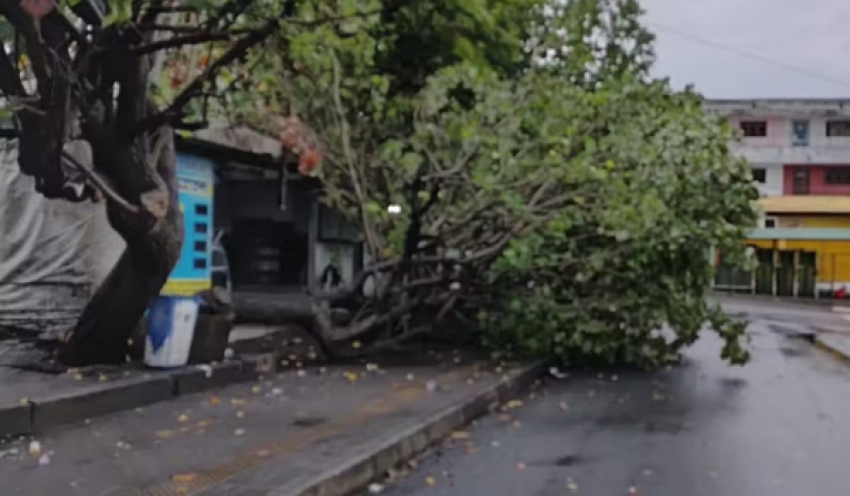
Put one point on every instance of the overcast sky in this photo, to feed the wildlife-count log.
(718, 44)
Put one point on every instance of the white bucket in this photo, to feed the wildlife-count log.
(171, 328)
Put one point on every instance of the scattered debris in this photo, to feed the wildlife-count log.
(458, 435)
(556, 373)
(239, 432)
(256, 389)
(563, 406)
(35, 448)
(371, 367)
(520, 466)
(183, 418)
(301, 373)
(375, 488)
(44, 459)
(9, 453)
(229, 353)
(208, 370)
(410, 377)
(351, 376)
(214, 400)
(632, 491)
(276, 391)
(571, 485)
(430, 480)
(431, 386)
(184, 478)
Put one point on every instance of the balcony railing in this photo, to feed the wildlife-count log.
(793, 154)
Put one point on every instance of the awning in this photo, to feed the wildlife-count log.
(805, 204)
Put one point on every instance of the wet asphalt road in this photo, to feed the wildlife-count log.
(779, 426)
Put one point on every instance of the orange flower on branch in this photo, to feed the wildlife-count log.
(308, 161)
(297, 138)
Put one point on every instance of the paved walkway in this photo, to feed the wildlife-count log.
(246, 439)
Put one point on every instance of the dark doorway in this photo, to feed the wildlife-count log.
(800, 181)
(267, 253)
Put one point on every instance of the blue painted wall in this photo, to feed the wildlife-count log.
(196, 180)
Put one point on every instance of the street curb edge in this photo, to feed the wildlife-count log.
(832, 350)
(379, 457)
(41, 414)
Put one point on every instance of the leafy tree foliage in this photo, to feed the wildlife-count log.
(515, 171)
(537, 187)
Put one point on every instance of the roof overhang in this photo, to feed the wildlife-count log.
(805, 204)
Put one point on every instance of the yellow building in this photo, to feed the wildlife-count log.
(803, 249)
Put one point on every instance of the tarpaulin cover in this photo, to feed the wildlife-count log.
(53, 253)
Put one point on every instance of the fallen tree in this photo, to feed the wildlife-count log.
(567, 208)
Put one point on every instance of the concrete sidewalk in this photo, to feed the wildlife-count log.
(34, 402)
(317, 431)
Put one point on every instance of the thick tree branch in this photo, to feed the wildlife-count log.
(236, 52)
(101, 184)
(178, 41)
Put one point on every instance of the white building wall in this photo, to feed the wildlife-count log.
(777, 147)
(772, 185)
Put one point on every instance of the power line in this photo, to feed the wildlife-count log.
(750, 55)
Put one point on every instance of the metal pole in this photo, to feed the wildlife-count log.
(832, 283)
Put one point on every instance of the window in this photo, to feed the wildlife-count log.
(837, 175)
(201, 246)
(199, 263)
(838, 129)
(754, 129)
(201, 209)
(770, 222)
(760, 176)
(800, 133)
(334, 227)
(201, 227)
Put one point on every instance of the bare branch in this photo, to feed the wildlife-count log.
(101, 184)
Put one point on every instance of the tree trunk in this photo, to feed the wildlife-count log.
(102, 333)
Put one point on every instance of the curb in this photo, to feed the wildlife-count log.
(835, 351)
(358, 470)
(827, 303)
(42, 413)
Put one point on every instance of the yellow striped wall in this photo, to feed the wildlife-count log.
(833, 257)
(814, 221)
